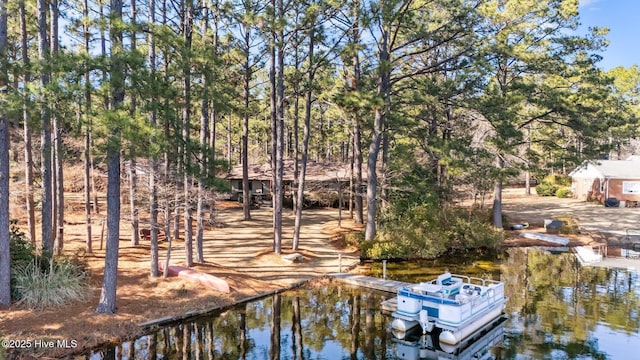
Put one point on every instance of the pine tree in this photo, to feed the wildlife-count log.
(26, 118)
(5, 254)
(107, 303)
(45, 129)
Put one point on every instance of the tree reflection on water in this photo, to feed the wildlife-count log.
(556, 310)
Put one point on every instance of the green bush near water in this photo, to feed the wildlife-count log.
(40, 281)
(427, 231)
(61, 284)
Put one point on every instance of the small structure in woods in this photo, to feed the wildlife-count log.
(610, 182)
(324, 180)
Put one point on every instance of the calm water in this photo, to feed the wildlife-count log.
(556, 310)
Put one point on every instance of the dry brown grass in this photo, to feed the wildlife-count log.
(141, 298)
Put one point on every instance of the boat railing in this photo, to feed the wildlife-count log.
(476, 280)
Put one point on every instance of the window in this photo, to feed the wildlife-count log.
(631, 187)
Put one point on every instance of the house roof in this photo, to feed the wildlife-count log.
(617, 169)
(316, 171)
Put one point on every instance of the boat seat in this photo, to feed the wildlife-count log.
(471, 289)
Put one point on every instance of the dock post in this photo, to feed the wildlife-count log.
(339, 263)
(384, 269)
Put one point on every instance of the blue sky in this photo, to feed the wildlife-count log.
(622, 17)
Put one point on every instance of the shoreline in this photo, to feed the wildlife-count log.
(240, 252)
(54, 348)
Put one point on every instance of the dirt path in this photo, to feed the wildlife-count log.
(240, 252)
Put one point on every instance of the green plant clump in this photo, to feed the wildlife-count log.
(546, 189)
(563, 192)
(39, 281)
(23, 252)
(61, 284)
(551, 184)
(426, 231)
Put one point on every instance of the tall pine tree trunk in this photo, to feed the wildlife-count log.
(26, 118)
(279, 154)
(497, 195)
(87, 131)
(378, 126)
(58, 150)
(213, 114)
(53, 42)
(201, 206)
(153, 186)
(5, 252)
(87, 179)
(356, 188)
(246, 78)
(133, 175)
(59, 165)
(133, 201)
(273, 116)
(105, 99)
(204, 132)
(229, 143)
(305, 141)
(107, 303)
(45, 129)
(186, 127)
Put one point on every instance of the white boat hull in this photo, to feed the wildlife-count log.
(452, 337)
(403, 326)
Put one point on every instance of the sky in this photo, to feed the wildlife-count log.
(622, 17)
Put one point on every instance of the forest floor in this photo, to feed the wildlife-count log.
(237, 251)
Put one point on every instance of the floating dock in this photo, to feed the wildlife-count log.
(369, 282)
(390, 286)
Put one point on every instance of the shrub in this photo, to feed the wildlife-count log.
(61, 284)
(546, 189)
(23, 252)
(426, 231)
(354, 238)
(39, 281)
(563, 192)
(562, 180)
(552, 183)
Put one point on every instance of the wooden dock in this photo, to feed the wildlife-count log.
(390, 286)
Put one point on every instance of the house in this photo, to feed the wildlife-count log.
(322, 177)
(610, 182)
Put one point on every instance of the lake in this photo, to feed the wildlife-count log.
(556, 310)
